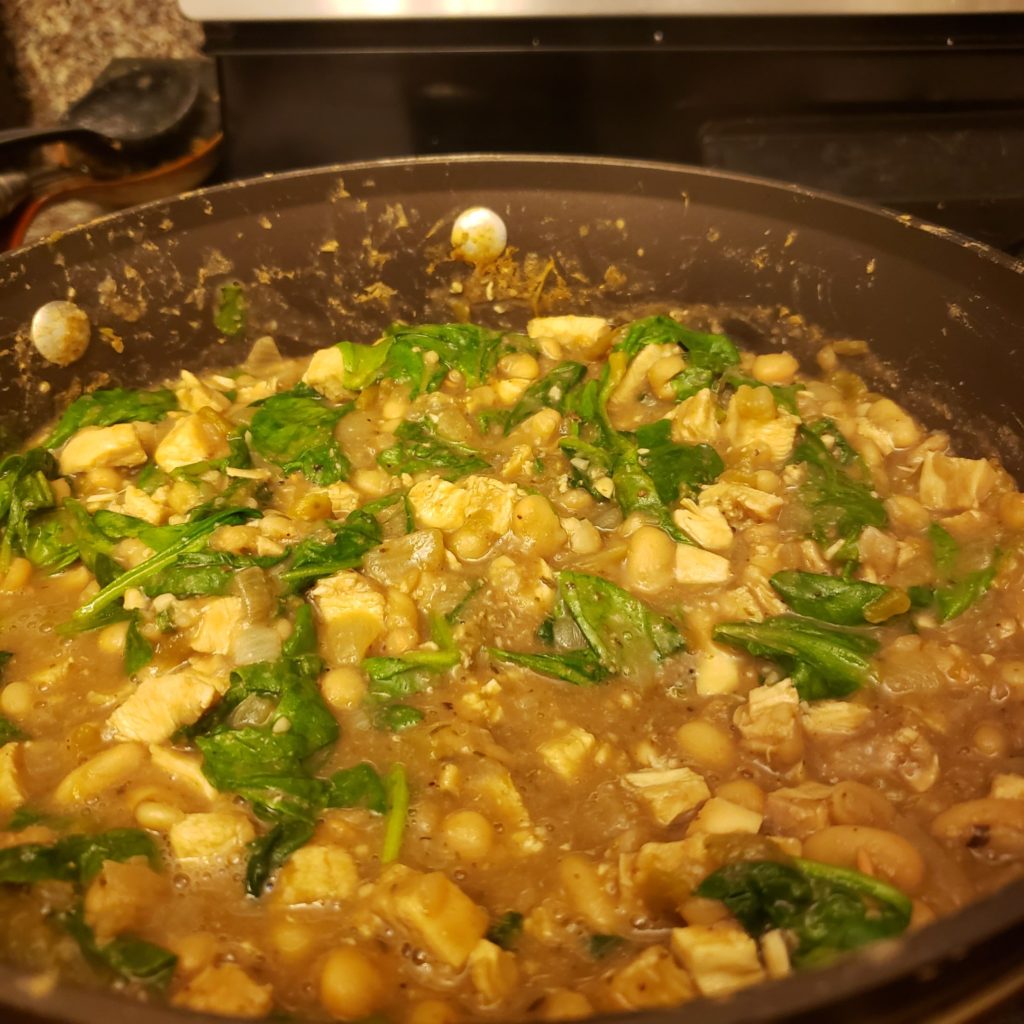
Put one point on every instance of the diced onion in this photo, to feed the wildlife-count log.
(568, 635)
(256, 643)
(254, 710)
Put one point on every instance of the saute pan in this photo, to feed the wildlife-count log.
(340, 252)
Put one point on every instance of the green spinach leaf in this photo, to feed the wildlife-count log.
(552, 391)
(823, 661)
(677, 470)
(269, 851)
(691, 380)
(945, 550)
(623, 632)
(955, 593)
(107, 407)
(396, 785)
(138, 651)
(506, 930)
(580, 667)
(363, 364)
(126, 956)
(358, 786)
(839, 504)
(74, 858)
(833, 599)
(314, 558)
(601, 946)
(393, 678)
(419, 448)
(295, 430)
(9, 732)
(955, 598)
(229, 315)
(713, 352)
(192, 535)
(470, 349)
(25, 491)
(827, 909)
(204, 573)
(610, 452)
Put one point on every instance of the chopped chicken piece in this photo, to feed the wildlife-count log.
(139, 504)
(344, 499)
(492, 783)
(192, 395)
(775, 954)
(755, 425)
(721, 958)
(226, 990)
(123, 897)
(718, 671)
(695, 419)
(694, 565)
(220, 619)
(584, 537)
(720, 817)
(652, 978)
(707, 526)
(441, 505)
(440, 916)
(834, 717)
(952, 484)
(566, 753)
(326, 374)
(214, 835)
(527, 583)
(194, 438)
(538, 430)
(577, 336)
(669, 792)
(161, 705)
(352, 615)
(739, 502)
(317, 874)
(100, 447)
(564, 1004)
(493, 971)
(770, 721)
(1007, 786)
(899, 426)
(665, 874)
(624, 405)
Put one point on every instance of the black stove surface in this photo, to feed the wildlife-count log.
(921, 114)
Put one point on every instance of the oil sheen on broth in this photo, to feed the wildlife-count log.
(468, 674)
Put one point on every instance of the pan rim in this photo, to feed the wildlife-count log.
(938, 944)
(782, 188)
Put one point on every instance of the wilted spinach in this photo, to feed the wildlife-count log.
(295, 430)
(823, 661)
(826, 909)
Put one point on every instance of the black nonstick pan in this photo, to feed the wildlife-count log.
(341, 252)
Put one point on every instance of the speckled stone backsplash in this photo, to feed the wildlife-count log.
(59, 46)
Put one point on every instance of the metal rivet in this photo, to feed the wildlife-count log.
(479, 235)
(60, 332)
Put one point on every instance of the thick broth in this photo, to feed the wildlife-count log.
(556, 837)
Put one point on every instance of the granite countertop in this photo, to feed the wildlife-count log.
(59, 46)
